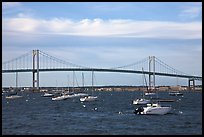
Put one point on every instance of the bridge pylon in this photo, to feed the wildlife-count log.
(152, 76)
(191, 87)
(35, 70)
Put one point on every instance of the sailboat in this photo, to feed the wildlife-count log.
(13, 94)
(48, 94)
(141, 101)
(58, 95)
(89, 97)
(176, 93)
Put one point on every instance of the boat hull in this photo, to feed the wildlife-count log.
(149, 94)
(48, 95)
(89, 98)
(13, 97)
(156, 110)
(59, 98)
(176, 94)
(153, 109)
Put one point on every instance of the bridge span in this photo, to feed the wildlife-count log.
(37, 61)
(105, 70)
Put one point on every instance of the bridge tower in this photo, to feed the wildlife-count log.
(189, 84)
(152, 75)
(35, 70)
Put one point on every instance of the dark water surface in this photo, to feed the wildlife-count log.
(111, 114)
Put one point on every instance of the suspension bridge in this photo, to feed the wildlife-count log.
(37, 61)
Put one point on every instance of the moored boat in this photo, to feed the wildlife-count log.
(153, 109)
(141, 101)
(175, 93)
(88, 98)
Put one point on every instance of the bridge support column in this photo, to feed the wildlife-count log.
(37, 69)
(152, 76)
(35, 55)
(189, 84)
(34, 69)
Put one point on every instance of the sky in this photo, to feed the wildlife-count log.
(103, 35)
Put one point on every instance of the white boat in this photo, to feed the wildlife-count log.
(140, 101)
(80, 94)
(88, 98)
(175, 93)
(13, 96)
(48, 95)
(150, 93)
(62, 97)
(153, 109)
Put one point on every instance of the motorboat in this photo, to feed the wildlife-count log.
(153, 109)
(88, 98)
(175, 93)
(140, 101)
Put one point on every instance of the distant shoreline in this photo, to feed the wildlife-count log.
(110, 88)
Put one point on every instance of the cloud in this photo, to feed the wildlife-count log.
(107, 28)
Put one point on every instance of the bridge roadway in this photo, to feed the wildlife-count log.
(104, 70)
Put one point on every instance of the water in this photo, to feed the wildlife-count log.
(112, 114)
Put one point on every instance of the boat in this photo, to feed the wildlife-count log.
(174, 93)
(48, 95)
(150, 93)
(61, 97)
(13, 91)
(141, 101)
(153, 109)
(13, 96)
(89, 97)
(80, 94)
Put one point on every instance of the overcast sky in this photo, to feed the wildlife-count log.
(104, 35)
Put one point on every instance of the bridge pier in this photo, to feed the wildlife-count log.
(189, 84)
(35, 55)
(152, 76)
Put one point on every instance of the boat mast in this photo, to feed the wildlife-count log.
(16, 80)
(73, 82)
(92, 81)
(68, 82)
(83, 81)
(56, 86)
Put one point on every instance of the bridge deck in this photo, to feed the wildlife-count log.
(104, 70)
